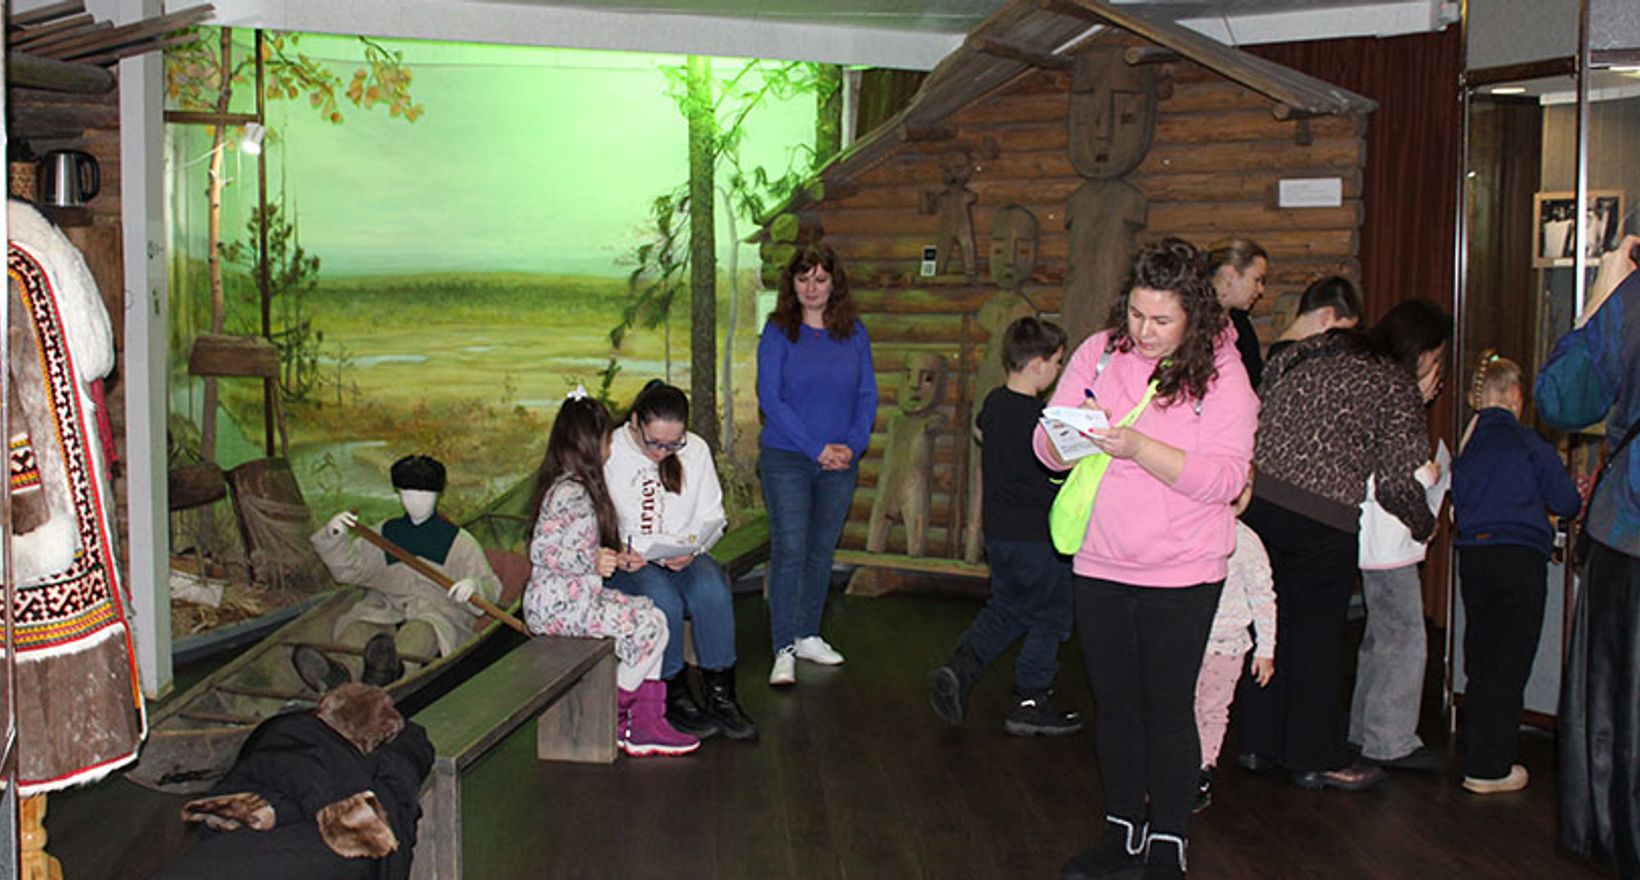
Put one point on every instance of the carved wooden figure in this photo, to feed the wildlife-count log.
(1111, 123)
(954, 205)
(1014, 235)
(908, 457)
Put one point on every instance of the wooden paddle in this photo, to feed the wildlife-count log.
(437, 577)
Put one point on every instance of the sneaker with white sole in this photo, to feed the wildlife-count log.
(1515, 781)
(815, 650)
(785, 667)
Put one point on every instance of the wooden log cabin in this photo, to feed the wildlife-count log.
(1228, 127)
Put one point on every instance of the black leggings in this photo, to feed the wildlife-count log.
(1143, 648)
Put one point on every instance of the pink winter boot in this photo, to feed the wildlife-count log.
(647, 732)
(623, 715)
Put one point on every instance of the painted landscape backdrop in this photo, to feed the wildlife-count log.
(442, 283)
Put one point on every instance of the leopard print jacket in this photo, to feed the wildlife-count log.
(1330, 414)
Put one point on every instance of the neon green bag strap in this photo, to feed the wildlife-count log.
(1073, 506)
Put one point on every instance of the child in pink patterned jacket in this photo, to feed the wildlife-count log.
(573, 547)
(1249, 597)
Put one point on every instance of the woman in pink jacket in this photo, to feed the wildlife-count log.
(1153, 560)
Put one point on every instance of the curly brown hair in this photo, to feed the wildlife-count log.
(1175, 265)
(841, 312)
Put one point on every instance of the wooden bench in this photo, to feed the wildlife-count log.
(566, 683)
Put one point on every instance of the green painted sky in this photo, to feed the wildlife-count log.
(527, 159)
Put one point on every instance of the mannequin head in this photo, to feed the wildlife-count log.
(419, 479)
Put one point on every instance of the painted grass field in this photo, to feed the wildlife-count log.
(469, 368)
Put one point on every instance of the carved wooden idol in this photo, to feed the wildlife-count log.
(954, 207)
(1111, 123)
(1014, 235)
(908, 457)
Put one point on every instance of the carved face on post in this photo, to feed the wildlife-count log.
(921, 383)
(956, 166)
(1013, 247)
(1112, 113)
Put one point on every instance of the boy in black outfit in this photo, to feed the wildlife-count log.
(1030, 583)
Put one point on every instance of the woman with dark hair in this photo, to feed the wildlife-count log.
(817, 390)
(1153, 558)
(665, 490)
(1236, 268)
(574, 545)
(1329, 302)
(1338, 408)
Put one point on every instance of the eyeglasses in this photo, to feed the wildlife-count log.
(658, 446)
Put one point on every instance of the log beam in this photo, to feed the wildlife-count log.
(23, 69)
(1022, 54)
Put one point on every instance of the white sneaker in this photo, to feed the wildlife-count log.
(815, 650)
(785, 667)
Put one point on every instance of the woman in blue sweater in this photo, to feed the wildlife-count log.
(818, 393)
(1504, 480)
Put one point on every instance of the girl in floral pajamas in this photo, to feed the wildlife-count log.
(572, 549)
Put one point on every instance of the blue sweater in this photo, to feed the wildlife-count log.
(817, 390)
(1504, 480)
(1594, 374)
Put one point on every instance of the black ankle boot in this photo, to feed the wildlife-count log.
(949, 685)
(683, 713)
(317, 670)
(1164, 857)
(382, 665)
(722, 706)
(1119, 854)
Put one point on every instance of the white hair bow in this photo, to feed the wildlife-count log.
(580, 393)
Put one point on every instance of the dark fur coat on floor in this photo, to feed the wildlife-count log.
(331, 793)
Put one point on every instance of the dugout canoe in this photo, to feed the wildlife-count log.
(194, 738)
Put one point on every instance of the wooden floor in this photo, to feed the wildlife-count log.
(855, 778)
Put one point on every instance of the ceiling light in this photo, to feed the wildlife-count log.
(1507, 90)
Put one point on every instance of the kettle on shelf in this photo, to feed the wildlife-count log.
(68, 178)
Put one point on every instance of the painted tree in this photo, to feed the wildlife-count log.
(681, 245)
(201, 75)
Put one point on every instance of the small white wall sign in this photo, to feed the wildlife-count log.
(1310, 192)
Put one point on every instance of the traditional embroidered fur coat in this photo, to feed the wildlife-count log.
(80, 709)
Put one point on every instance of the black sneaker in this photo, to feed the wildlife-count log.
(1035, 716)
(1204, 791)
(946, 695)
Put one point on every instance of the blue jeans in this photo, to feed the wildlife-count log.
(1030, 596)
(807, 508)
(699, 592)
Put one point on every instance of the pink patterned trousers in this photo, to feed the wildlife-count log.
(1215, 688)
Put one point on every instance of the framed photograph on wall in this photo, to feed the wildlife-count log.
(1557, 236)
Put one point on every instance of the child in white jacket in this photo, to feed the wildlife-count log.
(1249, 599)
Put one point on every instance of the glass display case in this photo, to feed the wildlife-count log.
(1551, 184)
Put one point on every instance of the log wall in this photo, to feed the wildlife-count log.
(1211, 173)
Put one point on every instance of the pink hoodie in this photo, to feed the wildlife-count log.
(1144, 532)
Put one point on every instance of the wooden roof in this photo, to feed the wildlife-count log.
(1027, 34)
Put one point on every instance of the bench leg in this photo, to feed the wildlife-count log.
(438, 832)
(580, 725)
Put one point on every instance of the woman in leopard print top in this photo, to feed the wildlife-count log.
(1335, 408)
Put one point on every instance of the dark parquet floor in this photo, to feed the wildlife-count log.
(855, 778)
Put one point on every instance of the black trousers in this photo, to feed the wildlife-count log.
(1143, 648)
(1503, 591)
(1297, 719)
(1599, 736)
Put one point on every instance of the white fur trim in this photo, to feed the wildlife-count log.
(46, 551)
(85, 318)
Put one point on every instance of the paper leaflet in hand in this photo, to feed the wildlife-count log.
(661, 547)
(1067, 426)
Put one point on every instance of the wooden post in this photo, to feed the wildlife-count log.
(34, 862)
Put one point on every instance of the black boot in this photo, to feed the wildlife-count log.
(722, 706)
(1119, 854)
(317, 670)
(1164, 857)
(683, 713)
(949, 685)
(1034, 714)
(382, 665)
